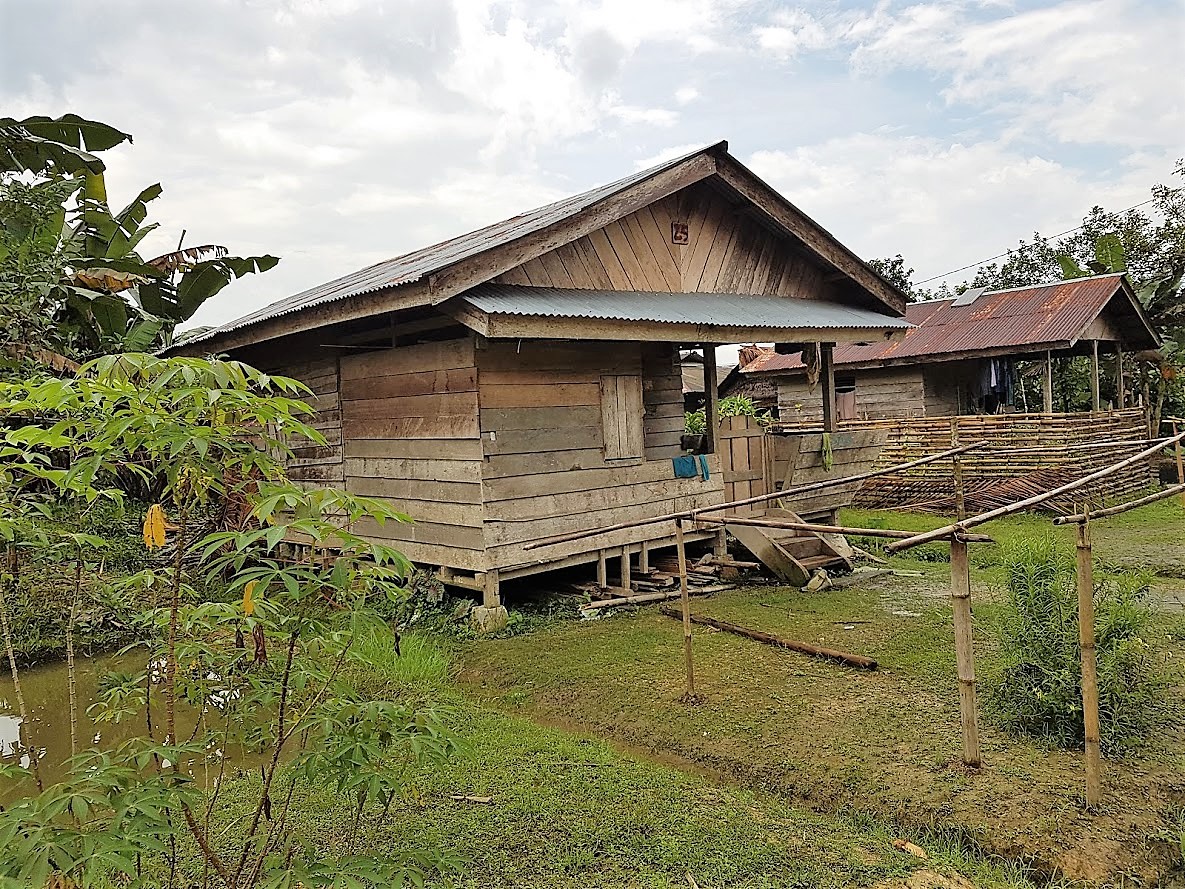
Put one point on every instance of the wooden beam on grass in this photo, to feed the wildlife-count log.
(844, 657)
(685, 601)
(888, 533)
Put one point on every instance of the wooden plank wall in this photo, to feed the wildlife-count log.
(744, 461)
(727, 252)
(410, 424)
(852, 452)
(313, 464)
(545, 471)
(886, 392)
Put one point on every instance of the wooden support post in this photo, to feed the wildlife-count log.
(686, 602)
(960, 593)
(1120, 382)
(720, 544)
(491, 596)
(625, 567)
(1090, 680)
(1047, 388)
(711, 398)
(957, 468)
(644, 558)
(602, 569)
(827, 378)
(1095, 400)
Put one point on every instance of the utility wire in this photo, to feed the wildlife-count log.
(1022, 247)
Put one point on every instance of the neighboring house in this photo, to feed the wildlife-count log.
(523, 381)
(760, 389)
(960, 357)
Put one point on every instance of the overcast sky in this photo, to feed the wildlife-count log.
(338, 133)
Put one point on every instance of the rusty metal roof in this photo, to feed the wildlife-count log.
(720, 309)
(418, 264)
(1016, 321)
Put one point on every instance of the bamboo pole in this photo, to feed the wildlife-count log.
(827, 529)
(1018, 506)
(1078, 518)
(844, 657)
(761, 498)
(957, 467)
(1095, 400)
(685, 601)
(1047, 388)
(960, 594)
(1090, 681)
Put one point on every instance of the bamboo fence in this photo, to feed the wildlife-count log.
(1024, 454)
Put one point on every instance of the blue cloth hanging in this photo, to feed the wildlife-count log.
(685, 466)
(703, 468)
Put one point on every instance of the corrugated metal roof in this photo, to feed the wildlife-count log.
(721, 309)
(419, 264)
(1047, 315)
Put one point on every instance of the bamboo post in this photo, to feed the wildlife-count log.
(960, 593)
(644, 558)
(686, 603)
(602, 569)
(957, 466)
(1090, 681)
(626, 580)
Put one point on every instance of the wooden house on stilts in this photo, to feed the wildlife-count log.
(524, 380)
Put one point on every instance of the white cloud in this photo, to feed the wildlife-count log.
(686, 94)
(942, 204)
(791, 31)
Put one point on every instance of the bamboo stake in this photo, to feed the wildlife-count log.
(761, 498)
(960, 594)
(957, 466)
(1078, 518)
(1090, 680)
(686, 603)
(1018, 506)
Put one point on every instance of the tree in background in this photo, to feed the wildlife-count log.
(71, 278)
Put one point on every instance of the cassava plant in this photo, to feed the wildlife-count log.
(1037, 690)
(251, 672)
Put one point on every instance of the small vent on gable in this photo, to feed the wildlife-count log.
(969, 296)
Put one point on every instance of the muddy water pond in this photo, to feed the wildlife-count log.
(47, 729)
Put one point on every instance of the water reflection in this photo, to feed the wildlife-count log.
(46, 694)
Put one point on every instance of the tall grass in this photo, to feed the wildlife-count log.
(417, 664)
(1037, 690)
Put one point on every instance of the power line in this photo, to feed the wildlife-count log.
(1021, 248)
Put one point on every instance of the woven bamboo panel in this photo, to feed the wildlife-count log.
(1025, 454)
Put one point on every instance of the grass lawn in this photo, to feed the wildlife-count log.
(567, 810)
(885, 744)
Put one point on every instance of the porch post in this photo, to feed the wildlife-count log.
(1047, 389)
(1120, 387)
(1095, 401)
(711, 397)
(827, 377)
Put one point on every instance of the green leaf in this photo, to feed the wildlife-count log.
(1070, 268)
(1108, 250)
(205, 279)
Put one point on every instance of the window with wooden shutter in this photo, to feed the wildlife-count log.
(621, 416)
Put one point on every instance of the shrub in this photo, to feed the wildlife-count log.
(1037, 690)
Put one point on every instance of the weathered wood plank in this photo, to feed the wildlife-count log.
(428, 448)
(411, 406)
(444, 426)
(426, 469)
(497, 395)
(499, 419)
(402, 490)
(442, 355)
(428, 382)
